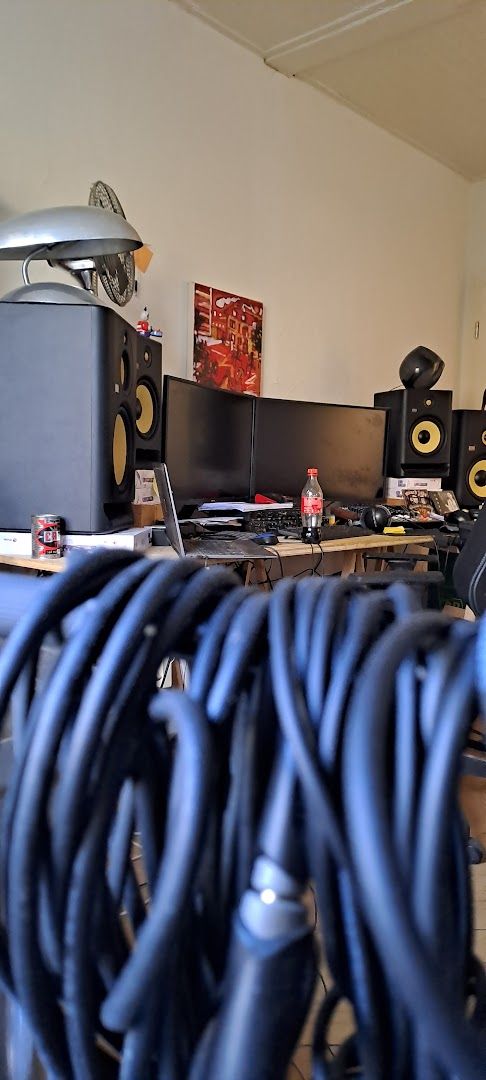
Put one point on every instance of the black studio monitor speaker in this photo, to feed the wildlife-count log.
(418, 431)
(149, 402)
(468, 456)
(68, 406)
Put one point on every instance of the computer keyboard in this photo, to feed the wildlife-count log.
(271, 520)
(344, 532)
(355, 508)
(289, 523)
(331, 532)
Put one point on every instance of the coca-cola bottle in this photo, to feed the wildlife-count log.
(311, 505)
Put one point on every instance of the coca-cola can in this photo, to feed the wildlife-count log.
(46, 536)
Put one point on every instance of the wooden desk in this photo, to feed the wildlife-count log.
(349, 552)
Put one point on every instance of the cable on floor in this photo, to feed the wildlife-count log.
(317, 743)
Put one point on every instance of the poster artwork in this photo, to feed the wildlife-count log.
(227, 340)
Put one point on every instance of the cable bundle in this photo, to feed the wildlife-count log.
(319, 739)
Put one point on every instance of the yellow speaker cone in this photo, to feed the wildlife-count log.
(426, 437)
(146, 410)
(120, 449)
(476, 479)
(483, 438)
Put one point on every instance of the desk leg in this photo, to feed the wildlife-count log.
(359, 565)
(177, 679)
(418, 549)
(349, 563)
(256, 575)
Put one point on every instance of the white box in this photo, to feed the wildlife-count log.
(20, 543)
(16, 543)
(145, 489)
(394, 486)
(132, 539)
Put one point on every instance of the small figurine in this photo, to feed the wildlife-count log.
(145, 327)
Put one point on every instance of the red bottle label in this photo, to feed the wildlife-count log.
(311, 504)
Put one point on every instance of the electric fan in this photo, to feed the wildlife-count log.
(116, 272)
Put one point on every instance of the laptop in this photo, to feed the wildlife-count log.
(210, 547)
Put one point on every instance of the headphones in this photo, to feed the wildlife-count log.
(376, 517)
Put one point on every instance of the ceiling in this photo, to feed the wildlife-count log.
(415, 67)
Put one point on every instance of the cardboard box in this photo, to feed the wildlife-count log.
(20, 543)
(394, 486)
(145, 487)
(146, 514)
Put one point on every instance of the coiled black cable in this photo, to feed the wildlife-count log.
(403, 954)
(319, 739)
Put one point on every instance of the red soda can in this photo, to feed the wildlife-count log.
(46, 536)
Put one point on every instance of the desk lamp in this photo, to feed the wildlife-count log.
(67, 236)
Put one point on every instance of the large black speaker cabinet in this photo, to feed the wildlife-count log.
(149, 402)
(68, 402)
(418, 431)
(468, 456)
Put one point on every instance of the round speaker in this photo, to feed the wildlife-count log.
(147, 409)
(376, 518)
(421, 368)
(121, 450)
(476, 479)
(426, 436)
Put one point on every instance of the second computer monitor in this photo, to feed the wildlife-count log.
(206, 442)
(345, 443)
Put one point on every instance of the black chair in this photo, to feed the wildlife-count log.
(469, 574)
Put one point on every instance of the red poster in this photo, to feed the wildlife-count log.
(227, 340)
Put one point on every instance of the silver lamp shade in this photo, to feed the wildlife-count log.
(50, 292)
(66, 232)
(67, 236)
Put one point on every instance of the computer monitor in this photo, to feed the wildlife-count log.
(344, 442)
(206, 442)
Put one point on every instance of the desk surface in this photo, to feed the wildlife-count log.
(286, 549)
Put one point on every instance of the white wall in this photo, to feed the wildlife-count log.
(473, 348)
(237, 177)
